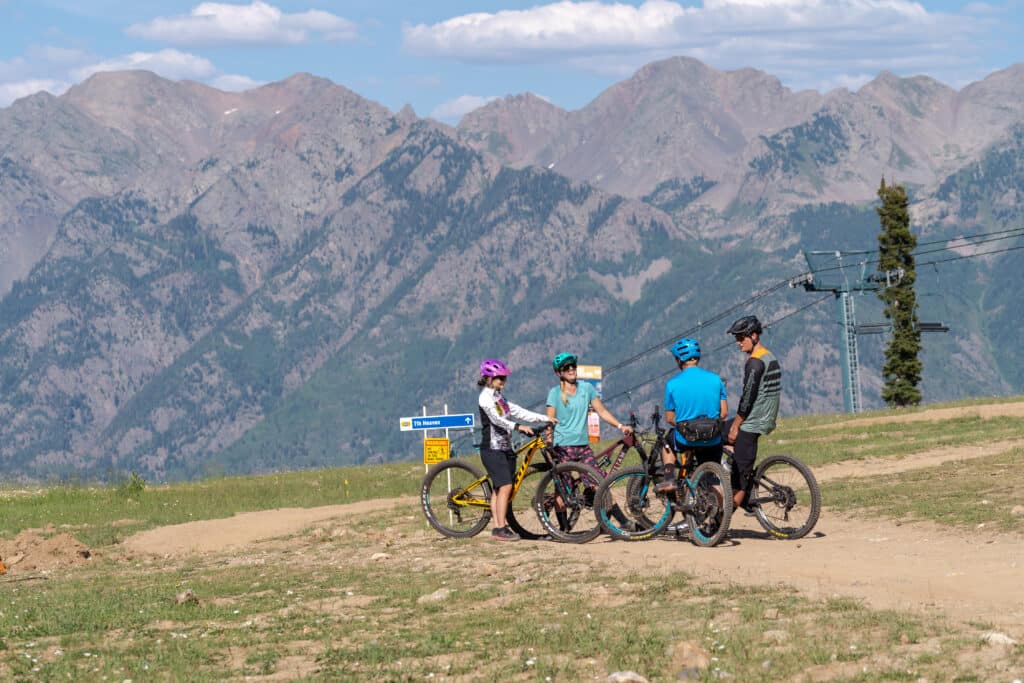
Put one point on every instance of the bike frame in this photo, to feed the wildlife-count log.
(604, 458)
(753, 501)
(528, 451)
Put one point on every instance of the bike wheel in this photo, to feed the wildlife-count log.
(785, 497)
(522, 516)
(646, 508)
(575, 486)
(709, 504)
(627, 507)
(456, 499)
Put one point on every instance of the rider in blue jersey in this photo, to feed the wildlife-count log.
(693, 394)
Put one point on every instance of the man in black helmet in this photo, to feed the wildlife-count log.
(759, 403)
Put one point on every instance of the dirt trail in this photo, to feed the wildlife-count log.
(970, 576)
(869, 467)
(247, 528)
(919, 566)
(1015, 409)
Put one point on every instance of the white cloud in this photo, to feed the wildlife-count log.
(563, 27)
(812, 40)
(56, 69)
(455, 109)
(214, 23)
(851, 82)
(168, 63)
(235, 83)
(16, 90)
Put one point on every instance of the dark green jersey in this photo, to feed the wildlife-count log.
(762, 388)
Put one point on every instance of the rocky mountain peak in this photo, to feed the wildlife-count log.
(672, 68)
(516, 128)
(919, 96)
(406, 116)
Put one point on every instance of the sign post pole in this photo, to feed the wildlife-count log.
(437, 449)
(425, 465)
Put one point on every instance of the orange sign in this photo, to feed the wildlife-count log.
(436, 450)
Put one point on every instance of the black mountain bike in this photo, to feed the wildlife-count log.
(784, 495)
(702, 494)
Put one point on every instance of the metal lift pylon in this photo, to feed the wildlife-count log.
(842, 273)
(829, 273)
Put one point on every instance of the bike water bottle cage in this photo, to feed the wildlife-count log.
(745, 326)
(563, 359)
(686, 349)
(494, 368)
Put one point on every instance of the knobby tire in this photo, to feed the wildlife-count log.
(709, 504)
(577, 484)
(787, 497)
(443, 513)
(627, 507)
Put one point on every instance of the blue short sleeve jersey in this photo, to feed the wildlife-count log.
(695, 392)
(571, 429)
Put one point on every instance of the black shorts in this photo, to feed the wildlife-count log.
(744, 453)
(500, 466)
(701, 454)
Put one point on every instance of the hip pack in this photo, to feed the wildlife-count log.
(702, 428)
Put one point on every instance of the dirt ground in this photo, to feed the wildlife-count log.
(970, 576)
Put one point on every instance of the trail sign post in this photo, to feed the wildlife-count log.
(436, 450)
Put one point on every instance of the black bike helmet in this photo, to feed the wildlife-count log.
(746, 326)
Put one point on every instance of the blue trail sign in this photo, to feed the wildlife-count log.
(463, 421)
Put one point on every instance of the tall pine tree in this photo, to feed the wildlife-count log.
(902, 369)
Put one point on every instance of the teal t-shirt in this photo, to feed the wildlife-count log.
(571, 429)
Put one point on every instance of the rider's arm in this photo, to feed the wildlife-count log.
(753, 371)
(521, 414)
(723, 409)
(608, 417)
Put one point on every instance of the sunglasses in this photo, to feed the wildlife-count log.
(741, 337)
(501, 377)
(566, 368)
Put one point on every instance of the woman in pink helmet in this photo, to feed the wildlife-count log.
(499, 419)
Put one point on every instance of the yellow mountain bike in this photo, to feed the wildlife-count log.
(456, 497)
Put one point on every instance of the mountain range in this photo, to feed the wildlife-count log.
(201, 282)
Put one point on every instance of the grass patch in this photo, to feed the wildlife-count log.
(964, 494)
(317, 607)
(91, 511)
(817, 446)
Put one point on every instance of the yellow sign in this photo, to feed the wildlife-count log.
(436, 450)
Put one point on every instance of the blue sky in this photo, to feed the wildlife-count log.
(447, 57)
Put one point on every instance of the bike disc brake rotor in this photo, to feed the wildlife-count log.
(707, 511)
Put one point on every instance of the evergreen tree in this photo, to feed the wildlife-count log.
(902, 369)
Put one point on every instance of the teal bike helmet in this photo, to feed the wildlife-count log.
(563, 359)
(686, 349)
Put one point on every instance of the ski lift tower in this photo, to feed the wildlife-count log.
(842, 273)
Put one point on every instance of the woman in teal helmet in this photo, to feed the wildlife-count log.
(569, 403)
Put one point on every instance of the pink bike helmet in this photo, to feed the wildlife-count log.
(493, 367)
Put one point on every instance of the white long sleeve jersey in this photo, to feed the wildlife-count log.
(499, 418)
